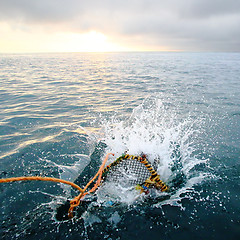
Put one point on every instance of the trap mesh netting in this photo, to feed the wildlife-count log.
(130, 172)
(133, 170)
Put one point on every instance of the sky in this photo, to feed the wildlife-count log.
(119, 25)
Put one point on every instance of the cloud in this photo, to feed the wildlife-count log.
(26, 10)
(187, 24)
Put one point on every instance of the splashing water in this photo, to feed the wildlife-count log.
(168, 143)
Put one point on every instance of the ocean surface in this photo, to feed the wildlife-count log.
(62, 113)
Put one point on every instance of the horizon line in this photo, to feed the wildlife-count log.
(132, 51)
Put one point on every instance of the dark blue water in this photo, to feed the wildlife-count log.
(61, 113)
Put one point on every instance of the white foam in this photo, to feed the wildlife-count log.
(157, 132)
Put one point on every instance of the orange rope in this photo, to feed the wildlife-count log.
(38, 178)
(74, 202)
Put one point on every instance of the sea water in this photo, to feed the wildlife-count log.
(62, 113)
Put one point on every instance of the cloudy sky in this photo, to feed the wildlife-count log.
(119, 25)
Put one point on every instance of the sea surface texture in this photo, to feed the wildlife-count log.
(60, 114)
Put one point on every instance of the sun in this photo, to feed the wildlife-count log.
(97, 42)
(91, 41)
